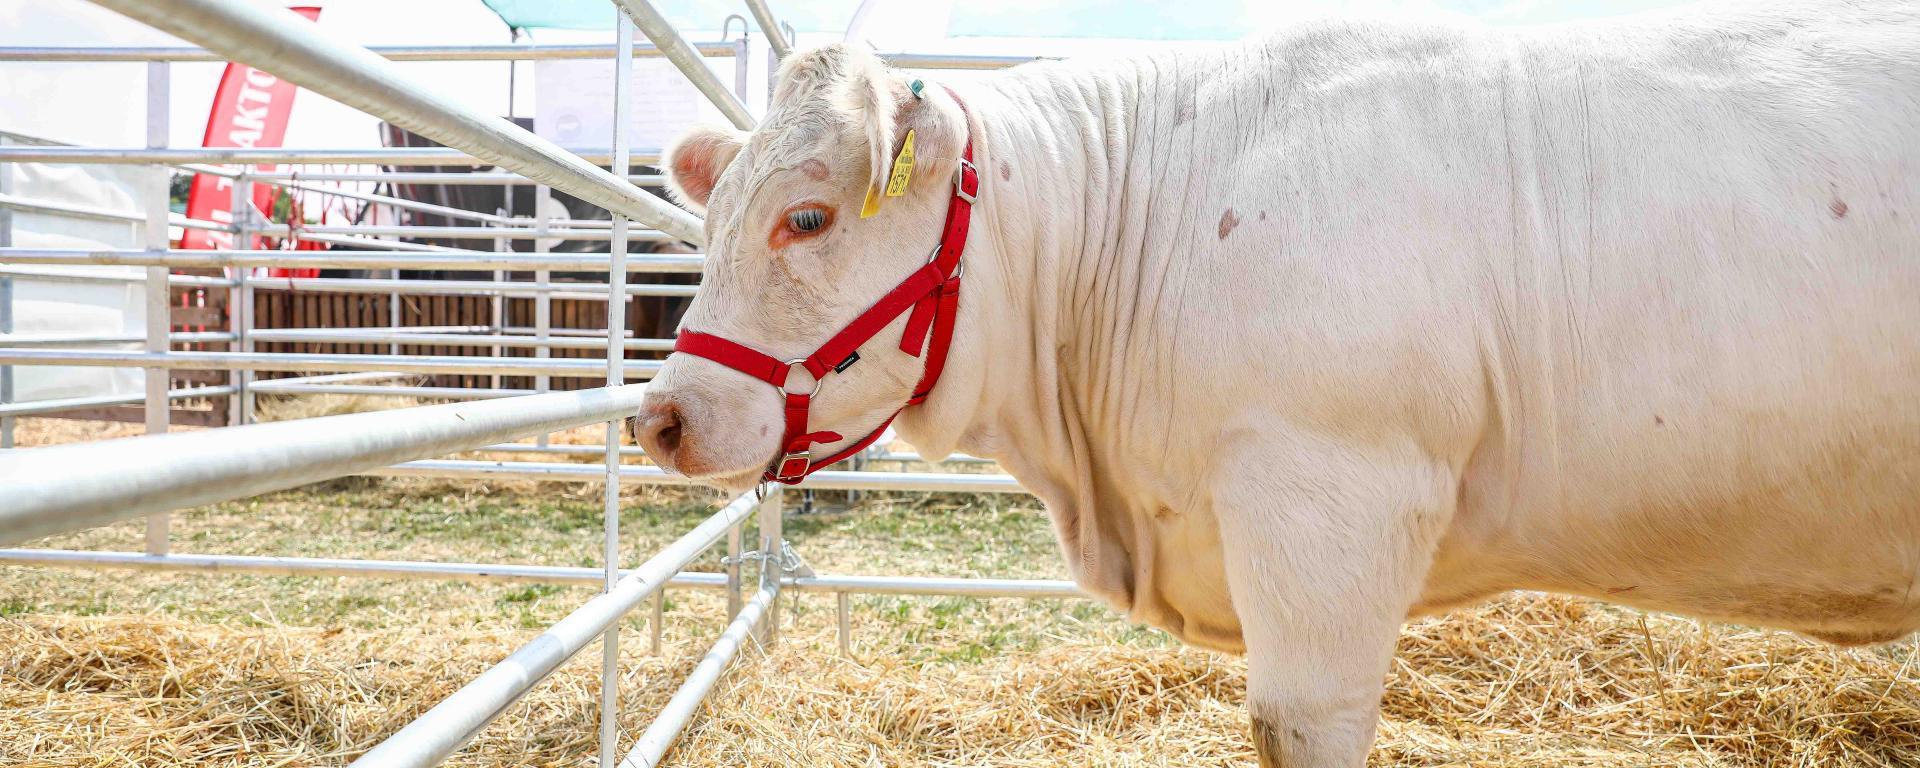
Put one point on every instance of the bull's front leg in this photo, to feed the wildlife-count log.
(1326, 547)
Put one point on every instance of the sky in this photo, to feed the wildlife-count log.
(101, 104)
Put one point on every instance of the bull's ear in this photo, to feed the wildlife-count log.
(867, 94)
(695, 161)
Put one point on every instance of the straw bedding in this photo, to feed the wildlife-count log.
(1532, 680)
(202, 670)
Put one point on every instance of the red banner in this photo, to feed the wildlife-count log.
(250, 109)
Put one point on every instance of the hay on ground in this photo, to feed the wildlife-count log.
(1531, 680)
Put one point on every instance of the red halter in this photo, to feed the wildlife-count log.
(932, 292)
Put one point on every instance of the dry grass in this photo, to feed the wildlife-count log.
(110, 668)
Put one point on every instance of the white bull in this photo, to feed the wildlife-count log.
(1300, 337)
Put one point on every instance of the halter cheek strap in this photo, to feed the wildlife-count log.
(932, 296)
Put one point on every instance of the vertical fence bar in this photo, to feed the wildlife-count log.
(6, 302)
(773, 554)
(733, 572)
(841, 611)
(393, 312)
(657, 626)
(159, 310)
(240, 302)
(741, 62)
(616, 357)
(542, 301)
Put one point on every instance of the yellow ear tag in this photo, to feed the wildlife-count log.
(902, 169)
(872, 206)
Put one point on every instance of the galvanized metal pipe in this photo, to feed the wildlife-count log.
(843, 622)
(394, 202)
(440, 156)
(558, 448)
(388, 52)
(61, 488)
(459, 287)
(616, 355)
(80, 339)
(260, 361)
(240, 301)
(451, 723)
(488, 178)
(159, 294)
(773, 552)
(958, 458)
(672, 719)
(474, 260)
(944, 587)
(377, 244)
(688, 59)
(384, 336)
(282, 42)
(43, 407)
(657, 624)
(838, 480)
(6, 304)
(473, 233)
(770, 27)
(17, 203)
(54, 275)
(274, 387)
(190, 281)
(902, 586)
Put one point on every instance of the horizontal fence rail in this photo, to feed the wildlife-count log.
(69, 487)
(400, 336)
(57, 405)
(520, 573)
(838, 480)
(460, 287)
(263, 361)
(486, 53)
(440, 156)
(192, 259)
(388, 52)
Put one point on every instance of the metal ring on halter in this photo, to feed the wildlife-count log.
(802, 363)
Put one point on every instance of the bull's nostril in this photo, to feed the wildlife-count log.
(668, 438)
(659, 426)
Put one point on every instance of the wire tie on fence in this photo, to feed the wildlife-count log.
(791, 563)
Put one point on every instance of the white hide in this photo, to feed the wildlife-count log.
(1301, 336)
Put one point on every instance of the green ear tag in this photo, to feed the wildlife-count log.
(916, 86)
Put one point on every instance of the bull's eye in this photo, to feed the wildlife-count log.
(807, 220)
(800, 221)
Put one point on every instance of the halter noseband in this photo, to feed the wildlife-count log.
(932, 292)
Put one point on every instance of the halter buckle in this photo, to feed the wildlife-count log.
(960, 179)
(792, 467)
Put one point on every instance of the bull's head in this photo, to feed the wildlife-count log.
(791, 260)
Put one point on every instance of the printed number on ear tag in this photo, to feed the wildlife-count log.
(902, 169)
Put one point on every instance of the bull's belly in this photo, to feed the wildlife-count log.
(1832, 555)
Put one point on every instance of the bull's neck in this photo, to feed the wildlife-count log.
(1054, 145)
